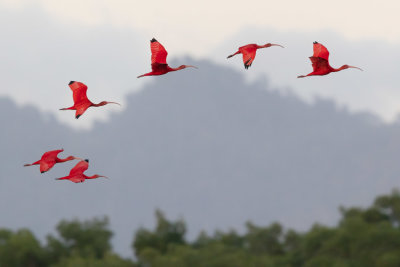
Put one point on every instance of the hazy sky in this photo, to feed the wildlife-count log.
(195, 26)
(106, 45)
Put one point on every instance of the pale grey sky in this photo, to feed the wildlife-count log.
(196, 26)
(105, 44)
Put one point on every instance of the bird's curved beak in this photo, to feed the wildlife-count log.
(355, 68)
(191, 66)
(78, 158)
(277, 45)
(104, 176)
(114, 103)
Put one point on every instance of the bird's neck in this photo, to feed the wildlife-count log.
(175, 69)
(58, 160)
(91, 177)
(339, 69)
(100, 104)
(263, 46)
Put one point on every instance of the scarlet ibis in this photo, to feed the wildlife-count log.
(159, 63)
(249, 52)
(49, 159)
(76, 174)
(320, 62)
(81, 102)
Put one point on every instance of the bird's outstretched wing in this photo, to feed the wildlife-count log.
(320, 51)
(79, 168)
(52, 154)
(319, 64)
(248, 56)
(48, 160)
(79, 91)
(158, 52)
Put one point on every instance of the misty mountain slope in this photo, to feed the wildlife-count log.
(205, 145)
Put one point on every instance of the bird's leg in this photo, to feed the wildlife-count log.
(304, 76)
(70, 108)
(146, 74)
(35, 163)
(63, 178)
(238, 52)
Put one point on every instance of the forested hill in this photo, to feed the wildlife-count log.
(203, 144)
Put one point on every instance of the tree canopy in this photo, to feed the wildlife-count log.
(363, 237)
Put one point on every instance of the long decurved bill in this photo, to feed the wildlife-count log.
(355, 68)
(191, 66)
(114, 103)
(277, 45)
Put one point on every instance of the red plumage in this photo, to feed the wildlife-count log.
(320, 62)
(81, 101)
(158, 52)
(159, 63)
(249, 52)
(49, 159)
(77, 175)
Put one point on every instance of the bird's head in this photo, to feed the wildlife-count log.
(98, 176)
(347, 67)
(186, 66)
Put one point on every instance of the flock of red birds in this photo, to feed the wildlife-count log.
(159, 66)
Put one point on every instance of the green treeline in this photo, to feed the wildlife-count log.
(363, 237)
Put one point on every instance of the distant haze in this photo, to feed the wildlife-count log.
(202, 144)
(105, 44)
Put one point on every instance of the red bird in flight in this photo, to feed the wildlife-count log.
(320, 62)
(76, 174)
(81, 102)
(49, 159)
(249, 52)
(159, 63)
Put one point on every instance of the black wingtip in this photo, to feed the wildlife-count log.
(87, 160)
(77, 117)
(71, 82)
(246, 64)
(315, 42)
(153, 40)
(42, 172)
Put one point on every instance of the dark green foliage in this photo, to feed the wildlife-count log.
(363, 238)
(166, 234)
(86, 239)
(76, 244)
(20, 248)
